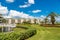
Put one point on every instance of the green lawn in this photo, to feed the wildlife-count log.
(45, 33)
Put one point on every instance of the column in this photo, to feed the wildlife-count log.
(16, 21)
(9, 21)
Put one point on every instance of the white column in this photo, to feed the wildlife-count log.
(32, 20)
(22, 20)
(2, 29)
(38, 21)
(9, 21)
(8, 28)
(16, 20)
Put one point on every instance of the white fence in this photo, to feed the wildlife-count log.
(8, 25)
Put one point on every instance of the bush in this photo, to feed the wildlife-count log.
(27, 34)
(18, 35)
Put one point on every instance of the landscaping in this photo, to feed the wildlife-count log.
(29, 19)
(31, 32)
(44, 33)
(18, 33)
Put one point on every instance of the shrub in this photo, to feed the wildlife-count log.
(27, 34)
(18, 35)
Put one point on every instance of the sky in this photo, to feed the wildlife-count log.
(29, 8)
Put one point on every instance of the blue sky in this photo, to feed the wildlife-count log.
(34, 8)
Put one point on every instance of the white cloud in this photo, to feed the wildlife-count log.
(36, 11)
(7, 16)
(14, 13)
(42, 17)
(10, 1)
(3, 10)
(31, 1)
(58, 19)
(24, 6)
(27, 4)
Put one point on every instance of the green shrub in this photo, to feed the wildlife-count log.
(27, 34)
(18, 35)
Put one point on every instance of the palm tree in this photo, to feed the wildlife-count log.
(52, 16)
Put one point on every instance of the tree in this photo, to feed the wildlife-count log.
(35, 21)
(52, 16)
(46, 20)
(4, 21)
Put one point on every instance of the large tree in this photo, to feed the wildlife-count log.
(52, 16)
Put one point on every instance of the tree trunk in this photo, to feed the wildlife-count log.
(53, 22)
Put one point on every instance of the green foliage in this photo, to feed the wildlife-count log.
(26, 22)
(17, 35)
(4, 20)
(52, 16)
(27, 34)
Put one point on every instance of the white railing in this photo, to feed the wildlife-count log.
(8, 25)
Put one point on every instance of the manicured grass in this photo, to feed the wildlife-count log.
(45, 33)
(19, 30)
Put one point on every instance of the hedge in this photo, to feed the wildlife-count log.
(27, 34)
(18, 36)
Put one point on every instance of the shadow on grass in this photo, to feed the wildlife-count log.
(50, 25)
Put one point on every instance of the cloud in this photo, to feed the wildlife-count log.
(7, 16)
(58, 19)
(14, 13)
(10, 1)
(24, 6)
(3, 10)
(31, 1)
(27, 4)
(42, 17)
(36, 11)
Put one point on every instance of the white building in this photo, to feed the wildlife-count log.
(21, 20)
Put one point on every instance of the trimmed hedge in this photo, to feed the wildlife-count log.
(27, 34)
(18, 36)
